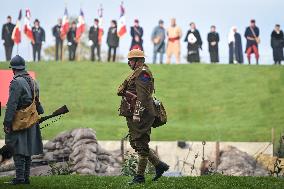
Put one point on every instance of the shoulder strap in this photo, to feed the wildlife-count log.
(31, 85)
(253, 33)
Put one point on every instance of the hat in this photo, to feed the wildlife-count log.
(17, 63)
(136, 53)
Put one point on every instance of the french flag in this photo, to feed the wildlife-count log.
(28, 28)
(121, 22)
(80, 26)
(101, 30)
(65, 25)
(16, 35)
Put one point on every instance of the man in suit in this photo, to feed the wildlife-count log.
(39, 39)
(7, 31)
(136, 32)
(58, 41)
(94, 40)
(72, 43)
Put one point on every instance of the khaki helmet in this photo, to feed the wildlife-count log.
(136, 53)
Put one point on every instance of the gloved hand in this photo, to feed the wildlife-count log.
(7, 127)
(136, 119)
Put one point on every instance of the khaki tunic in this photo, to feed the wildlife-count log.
(140, 83)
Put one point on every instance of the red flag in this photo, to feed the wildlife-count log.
(101, 30)
(16, 35)
(80, 26)
(121, 22)
(28, 27)
(65, 25)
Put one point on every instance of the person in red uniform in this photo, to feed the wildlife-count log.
(252, 36)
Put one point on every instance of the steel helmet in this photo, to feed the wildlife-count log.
(136, 53)
(17, 63)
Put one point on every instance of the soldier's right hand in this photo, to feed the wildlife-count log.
(136, 119)
(7, 128)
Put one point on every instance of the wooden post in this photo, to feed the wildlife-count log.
(156, 149)
(217, 155)
(122, 149)
(273, 140)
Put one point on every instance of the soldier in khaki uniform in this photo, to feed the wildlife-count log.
(138, 108)
(174, 34)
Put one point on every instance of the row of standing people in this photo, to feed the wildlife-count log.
(159, 37)
(94, 41)
(194, 43)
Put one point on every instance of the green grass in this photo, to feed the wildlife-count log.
(205, 182)
(204, 102)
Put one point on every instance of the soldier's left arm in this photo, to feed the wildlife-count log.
(39, 107)
(144, 84)
(12, 104)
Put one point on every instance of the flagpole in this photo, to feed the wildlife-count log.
(17, 49)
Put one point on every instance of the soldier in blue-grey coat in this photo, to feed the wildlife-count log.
(26, 142)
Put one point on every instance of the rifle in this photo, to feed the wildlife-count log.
(60, 111)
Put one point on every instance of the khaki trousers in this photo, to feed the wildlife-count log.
(173, 48)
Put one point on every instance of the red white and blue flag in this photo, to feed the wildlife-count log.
(16, 35)
(65, 25)
(28, 27)
(80, 26)
(121, 22)
(101, 30)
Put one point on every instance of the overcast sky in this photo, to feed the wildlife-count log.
(222, 13)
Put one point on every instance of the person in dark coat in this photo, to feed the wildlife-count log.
(213, 40)
(277, 44)
(112, 40)
(39, 39)
(235, 47)
(252, 36)
(27, 142)
(72, 42)
(7, 31)
(94, 40)
(194, 43)
(158, 38)
(58, 41)
(136, 32)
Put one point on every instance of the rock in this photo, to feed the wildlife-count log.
(237, 163)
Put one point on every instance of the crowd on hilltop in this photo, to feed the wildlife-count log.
(165, 41)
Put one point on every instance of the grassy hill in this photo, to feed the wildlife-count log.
(204, 102)
(204, 182)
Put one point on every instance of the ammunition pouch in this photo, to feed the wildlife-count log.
(138, 110)
(125, 108)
